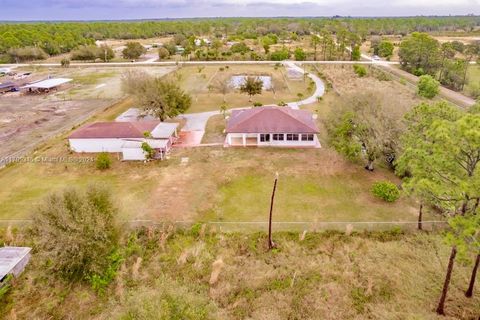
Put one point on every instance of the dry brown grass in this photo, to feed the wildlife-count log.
(327, 276)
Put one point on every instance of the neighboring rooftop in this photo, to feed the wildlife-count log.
(13, 260)
(134, 129)
(47, 84)
(133, 114)
(271, 120)
(126, 130)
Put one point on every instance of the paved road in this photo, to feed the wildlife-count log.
(172, 63)
(319, 87)
(453, 96)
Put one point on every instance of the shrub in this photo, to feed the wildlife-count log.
(26, 54)
(257, 104)
(428, 87)
(280, 55)
(386, 190)
(76, 233)
(163, 53)
(65, 63)
(103, 161)
(149, 152)
(474, 90)
(360, 70)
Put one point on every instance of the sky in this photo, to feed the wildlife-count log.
(157, 9)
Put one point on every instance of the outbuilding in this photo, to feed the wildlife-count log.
(131, 139)
(13, 261)
(46, 85)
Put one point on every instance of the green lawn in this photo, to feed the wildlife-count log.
(306, 197)
(473, 85)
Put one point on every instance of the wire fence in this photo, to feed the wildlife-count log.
(312, 226)
(254, 226)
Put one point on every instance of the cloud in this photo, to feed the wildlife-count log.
(149, 9)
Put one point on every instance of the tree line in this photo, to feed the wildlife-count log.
(421, 54)
(62, 37)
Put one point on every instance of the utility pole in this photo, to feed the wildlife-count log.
(271, 244)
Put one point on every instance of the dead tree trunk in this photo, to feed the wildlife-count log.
(469, 292)
(420, 215)
(441, 304)
(271, 244)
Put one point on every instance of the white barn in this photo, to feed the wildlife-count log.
(126, 138)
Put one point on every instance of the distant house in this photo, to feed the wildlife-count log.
(272, 126)
(199, 42)
(126, 138)
(13, 261)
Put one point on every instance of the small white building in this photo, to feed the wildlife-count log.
(272, 126)
(127, 138)
(13, 261)
(199, 42)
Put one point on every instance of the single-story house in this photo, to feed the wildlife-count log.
(127, 138)
(272, 126)
(13, 261)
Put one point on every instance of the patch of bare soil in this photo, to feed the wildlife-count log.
(27, 120)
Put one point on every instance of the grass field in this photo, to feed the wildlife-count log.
(473, 77)
(204, 83)
(315, 185)
(211, 275)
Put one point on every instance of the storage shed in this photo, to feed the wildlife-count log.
(13, 261)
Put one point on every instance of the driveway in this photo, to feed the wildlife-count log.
(319, 87)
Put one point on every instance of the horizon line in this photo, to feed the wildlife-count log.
(244, 17)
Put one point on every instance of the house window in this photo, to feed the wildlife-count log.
(307, 137)
(278, 137)
(264, 137)
(292, 137)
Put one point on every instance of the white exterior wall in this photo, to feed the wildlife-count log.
(274, 143)
(96, 145)
(133, 154)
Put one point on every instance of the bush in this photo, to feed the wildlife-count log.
(428, 87)
(86, 53)
(133, 50)
(65, 63)
(26, 54)
(280, 55)
(386, 190)
(163, 53)
(473, 90)
(240, 47)
(76, 233)
(103, 161)
(257, 104)
(360, 70)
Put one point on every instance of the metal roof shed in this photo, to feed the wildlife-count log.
(13, 260)
(47, 84)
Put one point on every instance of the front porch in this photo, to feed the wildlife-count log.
(288, 140)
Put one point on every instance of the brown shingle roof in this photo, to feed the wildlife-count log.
(271, 120)
(114, 130)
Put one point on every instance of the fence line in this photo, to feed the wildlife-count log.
(245, 226)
